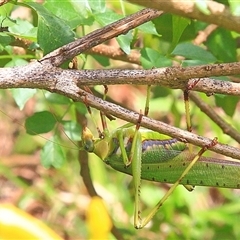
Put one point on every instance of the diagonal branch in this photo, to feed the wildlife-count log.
(133, 117)
(68, 51)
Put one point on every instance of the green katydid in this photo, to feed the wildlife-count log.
(149, 155)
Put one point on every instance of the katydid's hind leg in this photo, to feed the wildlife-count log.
(173, 187)
(136, 173)
(147, 100)
(135, 159)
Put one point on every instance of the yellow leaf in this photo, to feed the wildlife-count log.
(98, 219)
(17, 224)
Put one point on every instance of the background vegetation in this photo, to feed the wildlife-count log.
(39, 130)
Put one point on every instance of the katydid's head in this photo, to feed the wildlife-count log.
(87, 140)
(99, 146)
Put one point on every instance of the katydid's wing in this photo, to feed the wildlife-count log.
(206, 172)
(166, 166)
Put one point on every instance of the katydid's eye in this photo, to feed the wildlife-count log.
(89, 145)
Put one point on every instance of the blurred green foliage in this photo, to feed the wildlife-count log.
(205, 213)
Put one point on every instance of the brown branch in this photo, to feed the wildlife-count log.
(112, 52)
(115, 53)
(2, 2)
(36, 75)
(21, 42)
(219, 13)
(204, 34)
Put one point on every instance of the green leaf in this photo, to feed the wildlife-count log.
(150, 58)
(223, 45)
(22, 95)
(179, 25)
(57, 98)
(235, 7)
(227, 103)
(125, 42)
(6, 9)
(5, 39)
(71, 12)
(104, 61)
(164, 26)
(148, 27)
(97, 5)
(80, 107)
(106, 18)
(16, 62)
(24, 29)
(202, 6)
(40, 122)
(6, 21)
(53, 32)
(72, 130)
(188, 50)
(82, 8)
(52, 154)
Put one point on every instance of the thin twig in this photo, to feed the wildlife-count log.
(204, 34)
(227, 128)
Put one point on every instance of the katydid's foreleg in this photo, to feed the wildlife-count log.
(173, 187)
(135, 159)
(127, 159)
(102, 114)
(186, 101)
(90, 113)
